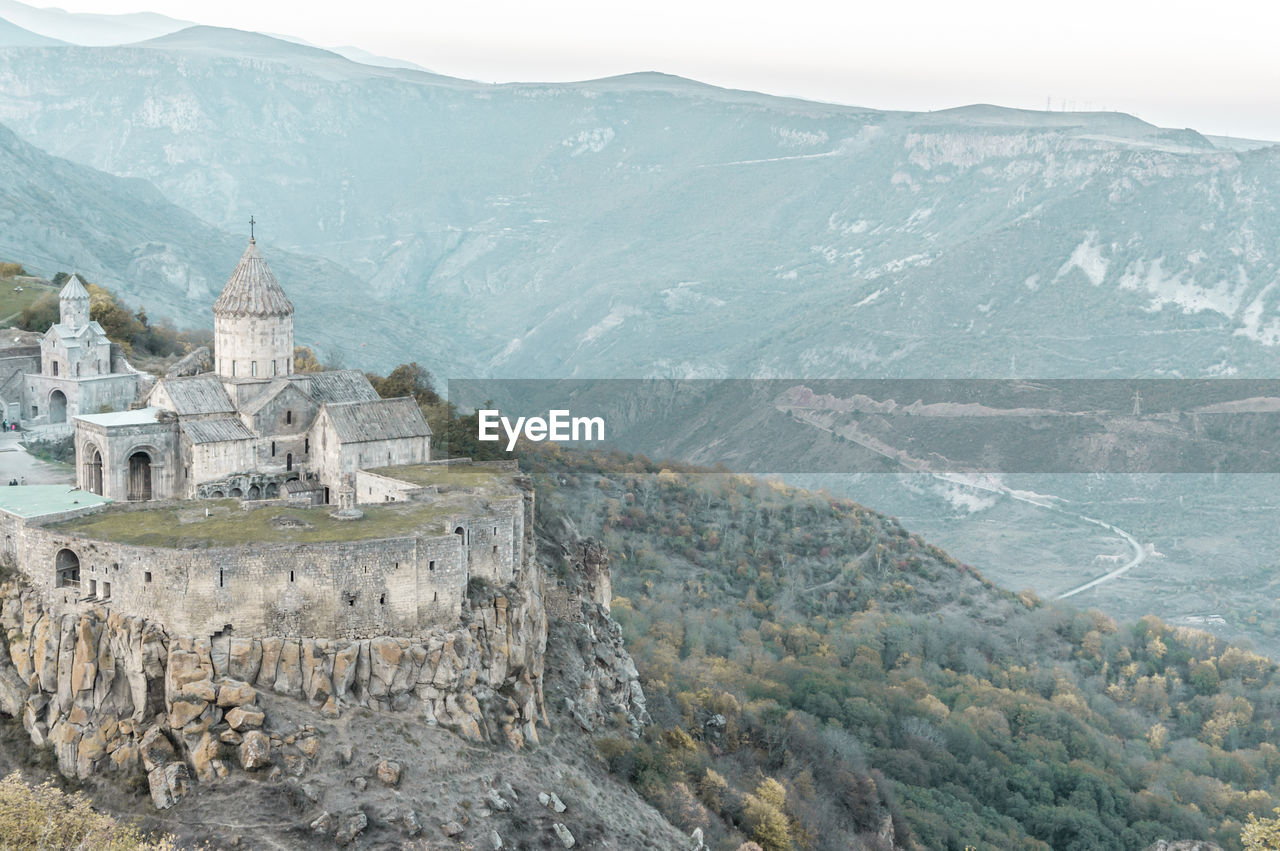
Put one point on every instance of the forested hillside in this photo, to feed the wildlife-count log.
(819, 677)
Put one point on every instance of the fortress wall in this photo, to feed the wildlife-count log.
(494, 542)
(347, 589)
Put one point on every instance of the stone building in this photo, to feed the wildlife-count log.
(252, 427)
(76, 370)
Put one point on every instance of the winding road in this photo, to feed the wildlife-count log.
(1045, 502)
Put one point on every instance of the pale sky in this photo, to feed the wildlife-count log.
(1210, 66)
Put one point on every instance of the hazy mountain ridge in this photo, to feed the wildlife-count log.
(122, 233)
(651, 225)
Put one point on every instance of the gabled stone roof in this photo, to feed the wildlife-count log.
(278, 386)
(198, 394)
(341, 385)
(385, 419)
(216, 430)
(252, 290)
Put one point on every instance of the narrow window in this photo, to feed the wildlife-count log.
(431, 565)
(495, 549)
(77, 370)
(306, 446)
(273, 367)
(220, 578)
(435, 595)
(382, 599)
(273, 449)
(146, 577)
(233, 369)
(291, 576)
(106, 590)
(288, 461)
(253, 369)
(351, 602)
(55, 367)
(288, 417)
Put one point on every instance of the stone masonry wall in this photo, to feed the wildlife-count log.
(345, 589)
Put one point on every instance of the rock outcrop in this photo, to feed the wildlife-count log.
(121, 694)
(595, 678)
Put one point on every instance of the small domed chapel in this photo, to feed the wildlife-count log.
(252, 428)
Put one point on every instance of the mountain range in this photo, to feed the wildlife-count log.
(651, 225)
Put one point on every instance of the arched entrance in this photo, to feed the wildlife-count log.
(139, 477)
(237, 493)
(67, 566)
(57, 407)
(93, 469)
(254, 492)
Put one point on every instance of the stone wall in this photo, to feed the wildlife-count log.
(372, 488)
(344, 589)
(88, 395)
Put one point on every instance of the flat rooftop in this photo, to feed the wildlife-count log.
(142, 416)
(28, 501)
(184, 524)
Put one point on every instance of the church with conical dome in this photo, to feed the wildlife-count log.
(76, 370)
(252, 428)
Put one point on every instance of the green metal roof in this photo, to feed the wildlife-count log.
(38, 500)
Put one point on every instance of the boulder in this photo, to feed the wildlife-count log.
(204, 758)
(496, 802)
(245, 717)
(388, 772)
(323, 823)
(168, 784)
(562, 833)
(255, 750)
(183, 711)
(352, 828)
(156, 749)
(235, 693)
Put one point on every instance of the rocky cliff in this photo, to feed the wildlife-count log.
(122, 694)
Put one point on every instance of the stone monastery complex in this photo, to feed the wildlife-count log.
(253, 500)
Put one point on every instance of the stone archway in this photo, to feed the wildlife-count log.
(254, 492)
(92, 469)
(67, 569)
(57, 407)
(139, 487)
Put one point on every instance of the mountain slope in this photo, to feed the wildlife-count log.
(12, 35)
(56, 215)
(651, 225)
(802, 652)
(85, 28)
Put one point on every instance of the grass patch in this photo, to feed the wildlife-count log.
(186, 526)
(13, 303)
(447, 475)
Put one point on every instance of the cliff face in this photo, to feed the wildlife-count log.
(124, 696)
(121, 694)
